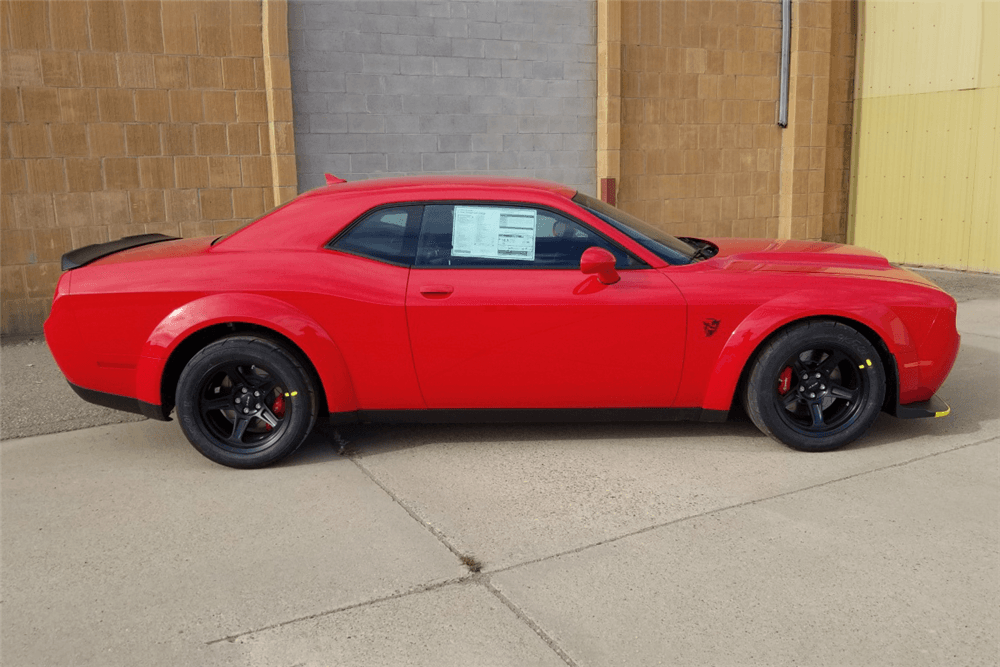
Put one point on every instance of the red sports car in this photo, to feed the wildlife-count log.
(483, 299)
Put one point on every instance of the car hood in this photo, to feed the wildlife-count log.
(795, 256)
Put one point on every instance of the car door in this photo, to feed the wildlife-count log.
(359, 299)
(501, 316)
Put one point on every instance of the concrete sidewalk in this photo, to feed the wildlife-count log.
(614, 544)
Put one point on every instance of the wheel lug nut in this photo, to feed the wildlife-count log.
(237, 400)
(256, 393)
(822, 386)
(802, 389)
(244, 390)
(816, 376)
(246, 411)
(812, 395)
(805, 376)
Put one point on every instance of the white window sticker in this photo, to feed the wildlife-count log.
(492, 232)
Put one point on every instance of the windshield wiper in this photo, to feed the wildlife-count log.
(705, 249)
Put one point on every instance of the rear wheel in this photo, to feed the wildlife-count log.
(816, 387)
(245, 402)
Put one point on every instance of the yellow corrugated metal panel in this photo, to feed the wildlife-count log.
(989, 61)
(927, 179)
(984, 241)
(925, 184)
(922, 47)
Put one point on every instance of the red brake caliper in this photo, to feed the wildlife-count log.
(785, 380)
(278, 409)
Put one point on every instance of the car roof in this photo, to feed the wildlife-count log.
(441, 183)
(301, 224)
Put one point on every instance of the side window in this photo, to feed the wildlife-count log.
(388, 234)
(495, 235)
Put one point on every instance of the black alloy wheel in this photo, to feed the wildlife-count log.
(244, 407)
(820, 391)
(816, 386)
(245, 402)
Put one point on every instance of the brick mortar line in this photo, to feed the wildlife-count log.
(485, 578)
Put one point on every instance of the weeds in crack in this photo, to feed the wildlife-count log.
(471, 562)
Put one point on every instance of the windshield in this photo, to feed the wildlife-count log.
(668, 248)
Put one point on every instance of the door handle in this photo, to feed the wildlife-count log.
(436, 291)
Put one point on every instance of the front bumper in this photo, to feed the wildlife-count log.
(932, 407)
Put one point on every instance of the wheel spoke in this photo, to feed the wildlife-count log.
(265, 386)
(236, 374)
(816, 410)
(215, 404)
(789, 399)
(240, 427)
(831, 362)
(843, 392)
(268, 417)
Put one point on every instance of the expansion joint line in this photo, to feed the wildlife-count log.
(330, 612)
(727, 508)
(483, 579)
(406, 508)
(544, 636)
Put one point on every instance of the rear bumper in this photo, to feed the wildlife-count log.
(932, 407)
(123, 403)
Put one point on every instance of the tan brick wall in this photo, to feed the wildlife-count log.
(694, 106)
(130, 117)
(840, 124)
(816, 145)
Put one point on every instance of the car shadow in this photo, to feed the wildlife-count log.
(972, 390)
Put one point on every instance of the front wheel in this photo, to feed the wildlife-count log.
(245, 402)
(816, 387)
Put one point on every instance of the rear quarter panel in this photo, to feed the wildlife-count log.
(130, 316)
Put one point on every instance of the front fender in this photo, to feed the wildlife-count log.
(255, 309)
(786, 309)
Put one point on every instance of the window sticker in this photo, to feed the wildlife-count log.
(492, 232)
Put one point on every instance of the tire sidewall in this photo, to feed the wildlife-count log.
(246, 350)
(761, 385)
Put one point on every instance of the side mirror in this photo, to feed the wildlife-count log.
(599, 261)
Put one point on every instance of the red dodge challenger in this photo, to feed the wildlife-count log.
(484, 299)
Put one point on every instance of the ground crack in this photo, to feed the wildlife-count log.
(544, 636)
(480, 578)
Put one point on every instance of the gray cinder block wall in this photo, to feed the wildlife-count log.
(421, 86)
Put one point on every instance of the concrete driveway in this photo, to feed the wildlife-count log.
(616, 544)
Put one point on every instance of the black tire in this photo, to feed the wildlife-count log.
(816, 387)
(223, 417)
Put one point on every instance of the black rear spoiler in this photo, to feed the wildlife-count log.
(87, 254)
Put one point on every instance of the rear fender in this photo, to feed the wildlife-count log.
(263, 311)
(787, 309)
